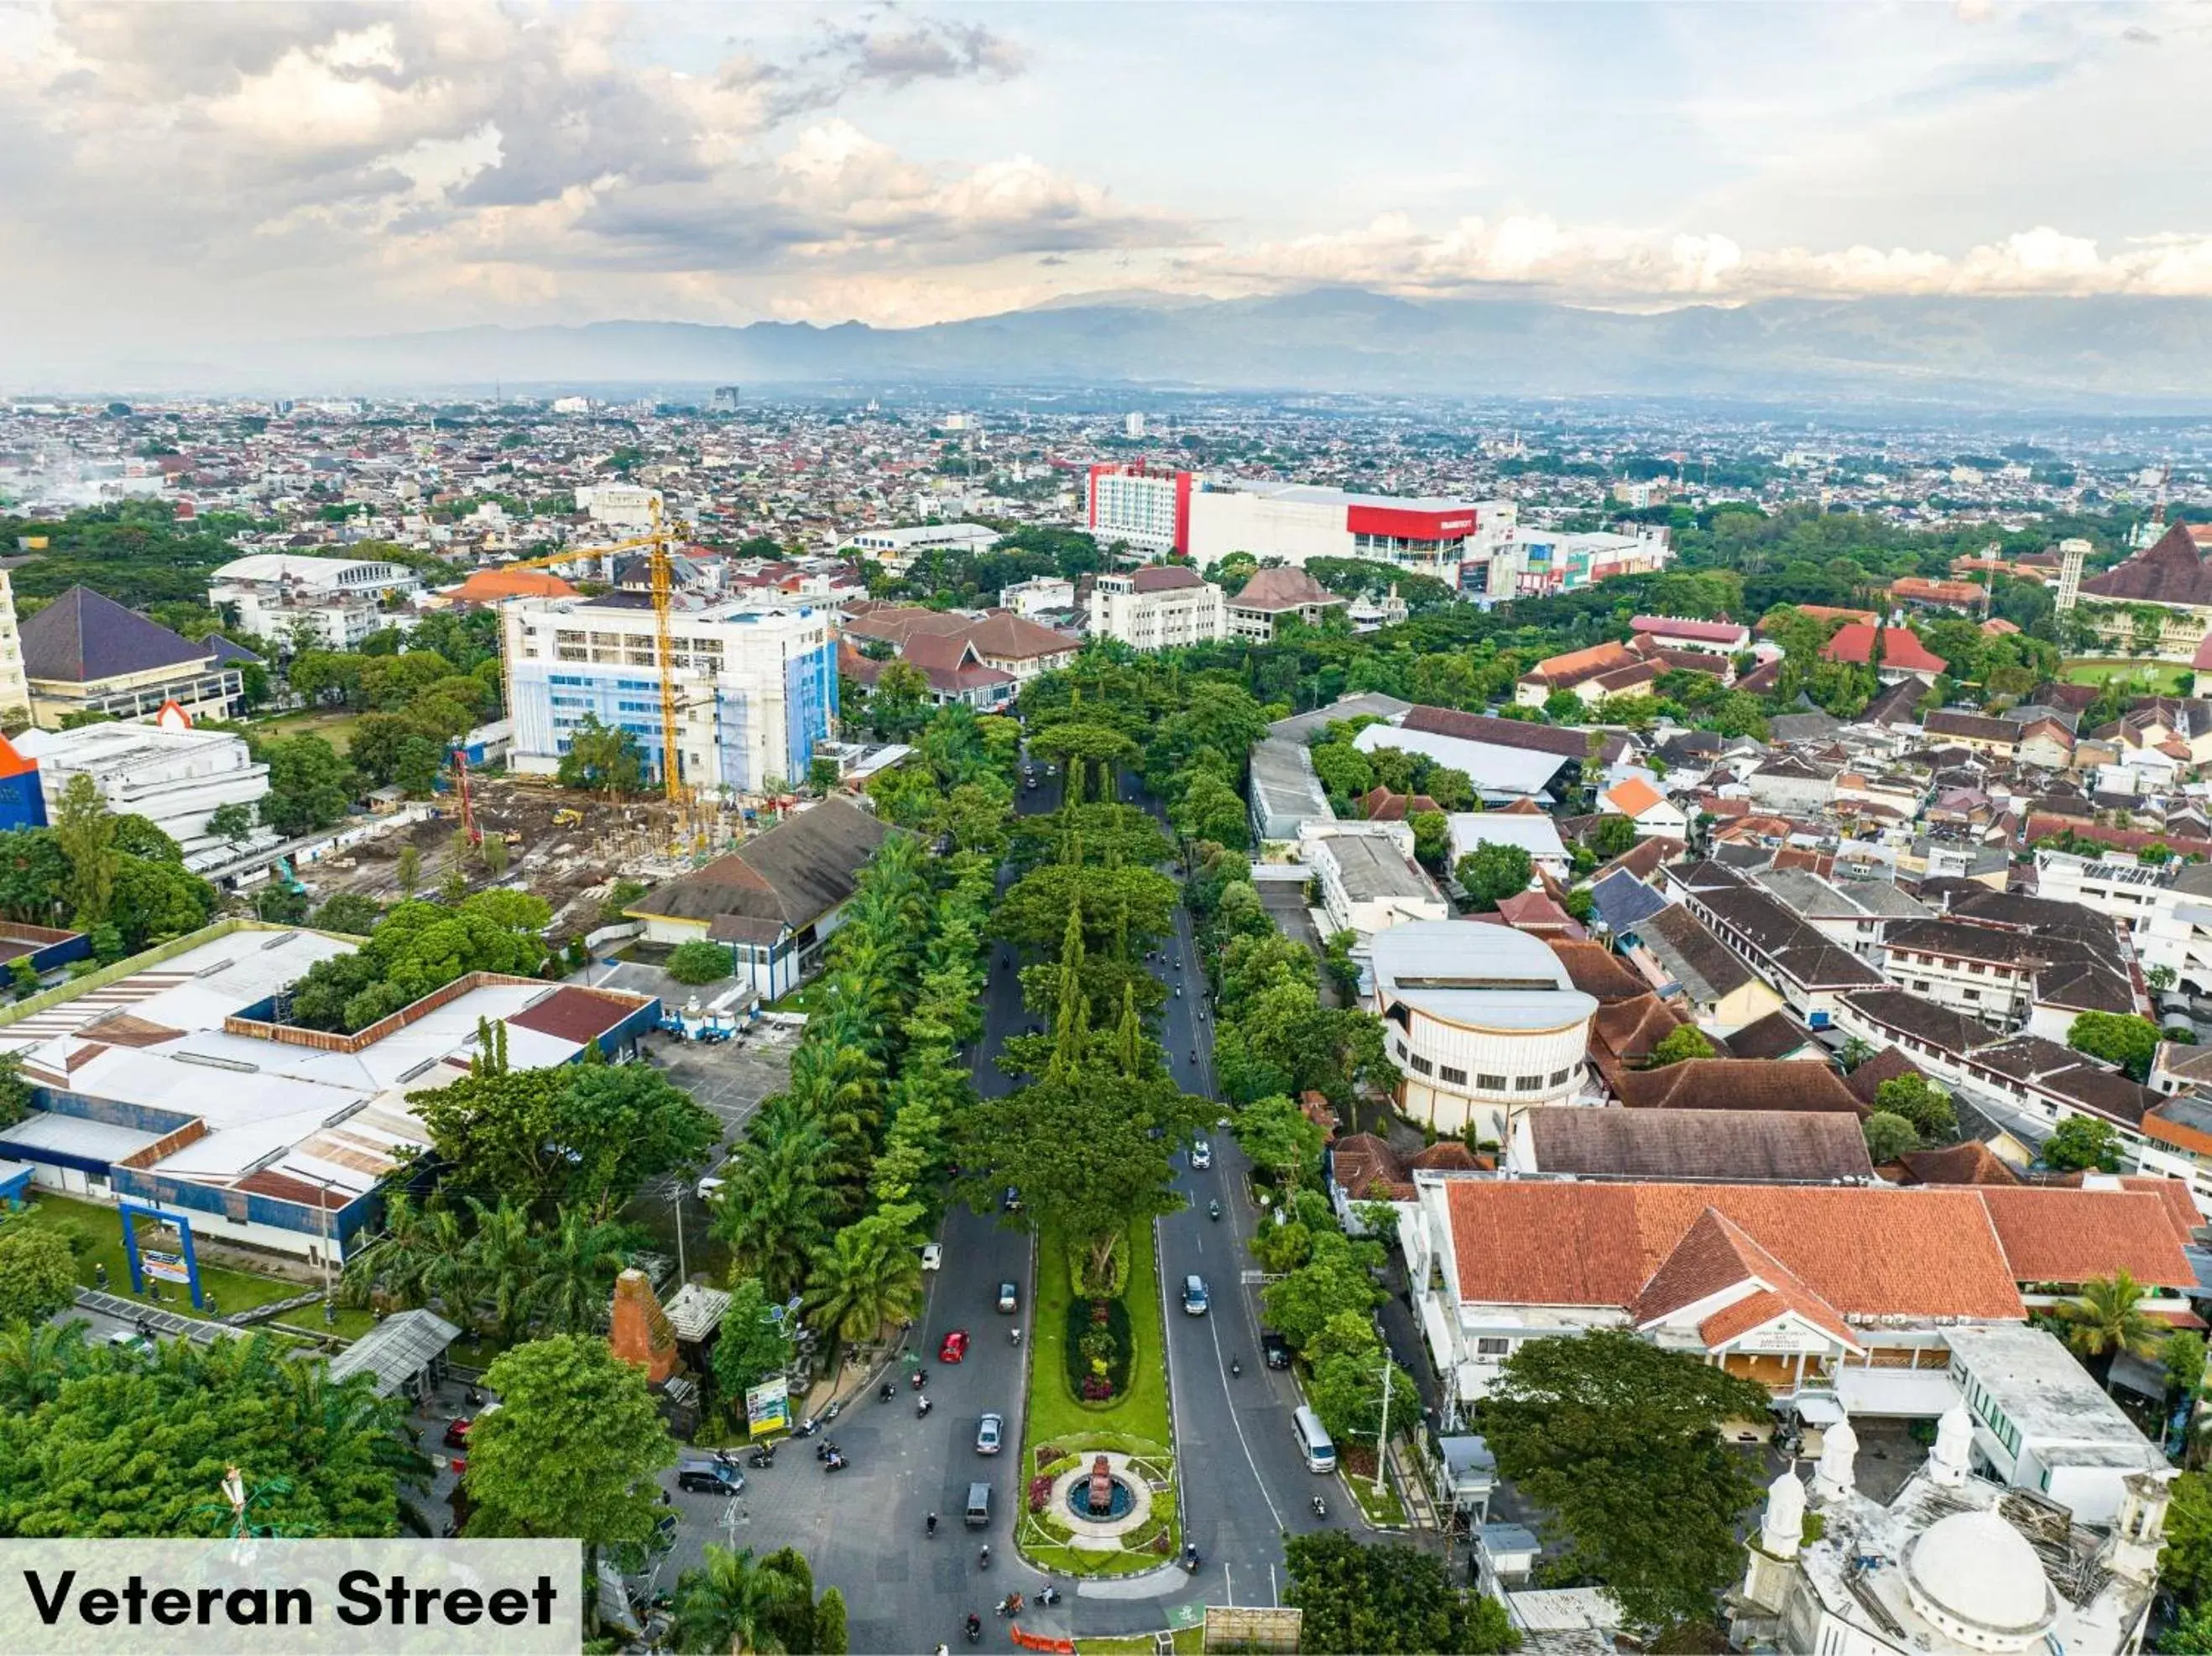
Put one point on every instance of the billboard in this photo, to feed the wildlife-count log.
(768, 1407)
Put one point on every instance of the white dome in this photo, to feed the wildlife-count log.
(1976, 1577)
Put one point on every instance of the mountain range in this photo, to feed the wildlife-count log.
(2101, 354)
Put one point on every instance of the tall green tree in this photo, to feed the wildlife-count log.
(869, 1277)
(1618, 1443)
(38, 1273)
(85, 829)
(2107, 1318)
(572, 1449)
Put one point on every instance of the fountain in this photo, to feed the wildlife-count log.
(1102, 1497)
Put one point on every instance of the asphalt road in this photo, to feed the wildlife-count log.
(1242, 1480)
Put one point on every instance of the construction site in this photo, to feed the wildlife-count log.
(567, 847)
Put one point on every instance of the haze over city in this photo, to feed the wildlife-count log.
(181, 179)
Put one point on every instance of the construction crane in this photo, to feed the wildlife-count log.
(461, 758)
(654, 543)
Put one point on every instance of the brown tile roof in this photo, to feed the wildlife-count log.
(2171, 570)
(1501, 732)
(1646, 860)
(1738, 1084)
(1775, 1036)
(1970, 1163)
(1360, 1162)
(1596, 970)
(1801, 1147)
(1282, 589)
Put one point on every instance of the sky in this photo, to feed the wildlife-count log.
(205, 172)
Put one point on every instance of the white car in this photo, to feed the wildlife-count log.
(933, 1256)
(1201, 1155)
(987, 1432)
(708, 1186)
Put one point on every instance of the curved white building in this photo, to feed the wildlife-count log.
(1483, 1022)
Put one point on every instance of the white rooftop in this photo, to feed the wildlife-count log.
(2063, 1415)
(1491, 768)
(1489, 977)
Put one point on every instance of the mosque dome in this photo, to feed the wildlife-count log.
(1977, 1579)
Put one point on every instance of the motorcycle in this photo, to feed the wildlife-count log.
(1213, 1210)
(763, 1458)
(1235, 1368)
(974, 1628)
(835, 1463)
(1320, 1506)
(888, 1392)
(1011, 1604)
(922, 1406)
(983, 1558)
(921, 1378)
(1190, 1558)
(929, 1524)
(824, 1449)
(833, 1411)
(807, 1428)
(1048, 1595)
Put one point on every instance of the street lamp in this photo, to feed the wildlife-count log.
(322, 1208)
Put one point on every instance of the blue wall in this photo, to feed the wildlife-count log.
(22, 802)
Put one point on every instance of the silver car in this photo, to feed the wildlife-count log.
(987, 1432)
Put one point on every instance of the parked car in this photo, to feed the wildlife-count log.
(987, 1434)
(1275, 1348)
(1194, 1296)
(457, 1433)
(1010, 1297)
(955, 1347)
(1201, 1155)
(705, 1475)
(708, 1186)
(1013, 1200)
(933, 1256)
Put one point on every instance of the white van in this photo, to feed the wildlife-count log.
(1313, 1442)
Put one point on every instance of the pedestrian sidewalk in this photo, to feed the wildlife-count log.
(1412, 1488)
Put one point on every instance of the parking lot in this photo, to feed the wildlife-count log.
(729, 1079)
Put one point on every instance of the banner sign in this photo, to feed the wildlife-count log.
(768, 1407)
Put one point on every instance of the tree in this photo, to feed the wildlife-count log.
(14, 1091)
(1334, 1279)
(1928, 1107)
(2107, 1318)
(1281, 1139)
(280, 904)
(1209, 809)
(310, 786)
(1620, 1443)
(349, 913)
(2186, 1564)
(869, 1276)
(2181, 1354)
(128, 1446)
(752, 1346)
(231, 823)
(1386, 1597)
(576, 1267)
(1684, 1041)
(731, 1601)
(1431, 836)
(830, 1636)
(1346, 1384)
(699, 962)
(408, 873)
(1888, 1136)
(586, 1136)
(1491, 871)
(37, 1357)
(572, 1449)
(2118, 1038)
(85, 830)
(601, 757)
(1614, 836)
(899, 703)
(2083, 1143)
(38, 1273)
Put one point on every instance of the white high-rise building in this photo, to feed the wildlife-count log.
(756, 687)
(15, 685)
(1133, 426)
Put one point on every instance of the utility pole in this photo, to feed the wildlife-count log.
(682, 1275)
(1382, 1436)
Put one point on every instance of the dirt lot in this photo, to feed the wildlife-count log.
(571, 866)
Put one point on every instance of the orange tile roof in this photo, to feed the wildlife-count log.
(486, 586)
(1634, 796)
(2180, 1207)
(2072, 1235)
(1865, 1251)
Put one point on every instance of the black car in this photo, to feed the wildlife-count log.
(1276, 1348)
(703, 1475)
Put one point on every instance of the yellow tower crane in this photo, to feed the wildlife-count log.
(655, 542)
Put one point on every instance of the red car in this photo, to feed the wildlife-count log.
(955, 1347)
(457, 1433)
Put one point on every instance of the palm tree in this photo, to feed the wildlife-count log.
(729, 1603)
(777, 1208)
(2107, 1318)
(867, 1278)
(576, 1270)
(423, 1257)
(503, 1262)
(34, 1362)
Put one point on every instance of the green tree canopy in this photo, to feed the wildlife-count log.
(1927, 1106)
(2122, 1039)
(2083, 1143)
(38, 1273)
(572, 1449)
(1618, 1443)
(1386, 1597)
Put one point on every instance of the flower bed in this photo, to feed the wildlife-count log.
(1097, 1349)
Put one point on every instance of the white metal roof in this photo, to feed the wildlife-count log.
(1489, 977)
(1492, 768)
